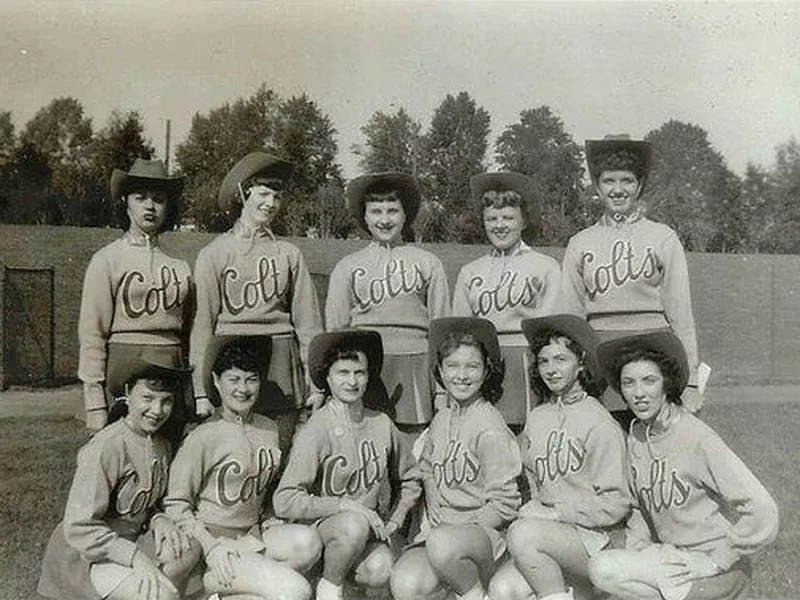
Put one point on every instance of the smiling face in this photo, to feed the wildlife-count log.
(463, 372)
(348, 378)
(149, 406)
(147, 210)
(642, 386)
(618, 191)
(503, 226)
(385, 220)
(238, 390)
(558, 366)
(261, 205)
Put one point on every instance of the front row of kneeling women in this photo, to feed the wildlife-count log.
(693, 509)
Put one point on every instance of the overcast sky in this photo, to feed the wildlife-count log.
(731, 68)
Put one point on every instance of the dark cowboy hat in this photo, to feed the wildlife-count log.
(255, 163)
(258, 345)
(595, 149)
(483, 330)
(324, 344)
(150, 362)
(411, 195)
(145, 174)
(508, 181)
(572, 327)
(612, 352)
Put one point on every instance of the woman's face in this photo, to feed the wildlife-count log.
(619, 191)
(385, 220)
(642, 386)
(261, 206)
(503, 226)
(558, 366)
(463, 372)
(147, 210)
(348, 378)
(148, 409)
(238, 390)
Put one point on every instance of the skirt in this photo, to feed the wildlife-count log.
(518, 397)
(410, 387)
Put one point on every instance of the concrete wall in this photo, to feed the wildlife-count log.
(747, 307)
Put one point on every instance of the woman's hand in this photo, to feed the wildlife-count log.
(315, 400)
(537, 510)
(171, 541)
(203, 407)
(688, 566)
(374, 519)
(151, 579)
(219, 563)
(692, 399)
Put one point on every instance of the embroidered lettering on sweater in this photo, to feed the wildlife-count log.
(562, 456)
(398, 278)
(234, 486)
(509, 292)
(663, 488)
(341, 477)
(239, 295)
(623, 266)
(140, 298)
(141, 499)
(458, 466)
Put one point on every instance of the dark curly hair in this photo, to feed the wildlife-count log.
(669, 370)
(492, 388)
(240, 356)
(119, 408)
(390, 195)
(621, 160)
(172, 211)
(589, 384)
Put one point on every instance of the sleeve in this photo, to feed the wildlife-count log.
(461, 306)
(305, 305)
(637, 532)
(610, 501)
(85, 528)
(501, 464)
(208, 306)
(186, 478)
(438, 291)
(293, 498)
(573, 291)
(337, 301)
(757, 524)
(96, 317)
(552, 295)
(676, 297)
(405, 471)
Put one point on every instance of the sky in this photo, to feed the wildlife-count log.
(732, 68)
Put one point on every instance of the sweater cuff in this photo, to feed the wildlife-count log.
(94, 397)
(725, 557)
(121, 551)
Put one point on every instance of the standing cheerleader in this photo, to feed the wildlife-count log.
(249, 283)
(573, 454)
(392, 287)
(698, 509)
(220, 481)
(350, 472)
(134, 294)
(469, 462)
(511, 283)
(99, 550)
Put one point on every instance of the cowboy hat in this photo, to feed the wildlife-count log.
(612, 353)
(325, 344)
(150, 362)
(595, 149)
(482, 329)
(508, 181)
(572, 327)
(145, 174)
(255, 163)
(405, 183)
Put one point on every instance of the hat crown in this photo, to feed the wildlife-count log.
(617, 137)
(148, 168)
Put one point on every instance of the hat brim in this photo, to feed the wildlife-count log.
(612, 353)
(149, 363)
(363, 340)
(508, 181)
(259, 345)
(255, 163)
(597, 148)
(123, 183)
(572, 327)
(483, 330)
(411, 196)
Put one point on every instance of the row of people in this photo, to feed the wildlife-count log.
(693, 509)
(624, 274)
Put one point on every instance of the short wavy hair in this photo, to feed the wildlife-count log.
(492, 388)
(392, 195)
(239, 356)
(588, 382)
(622, 160)
(172, 211)
(670, 371)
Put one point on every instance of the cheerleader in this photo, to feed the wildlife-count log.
(114, 543)
(469, 463)
(350, 476)
(573, 453)
(698, 511)
(511, 283)
(392, 287)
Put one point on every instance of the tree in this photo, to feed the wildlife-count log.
(538, 146)
(8, 141)
(392, 143)
(454, 149)
(775, 197)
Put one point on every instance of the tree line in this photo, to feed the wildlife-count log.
(56, 171)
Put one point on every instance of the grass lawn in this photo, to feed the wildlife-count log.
(37, 458)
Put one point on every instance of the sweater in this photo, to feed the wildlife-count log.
(133, 293)
(221, 475)
(333, 458)
(251, 285)
(574, 459)
(506, 289)
(470, 462)
(630, 276)
(396, 290)
(693, 492)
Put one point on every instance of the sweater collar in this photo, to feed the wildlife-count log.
(620, 220)
(519, 249)
(246, 232)
(141, 240)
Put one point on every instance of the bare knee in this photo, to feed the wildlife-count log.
(348, 529)
(441, 546)
(522, 537)
(376, 568)
(411, 579)
(604, 570)
(297, 546)
(508, 584)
